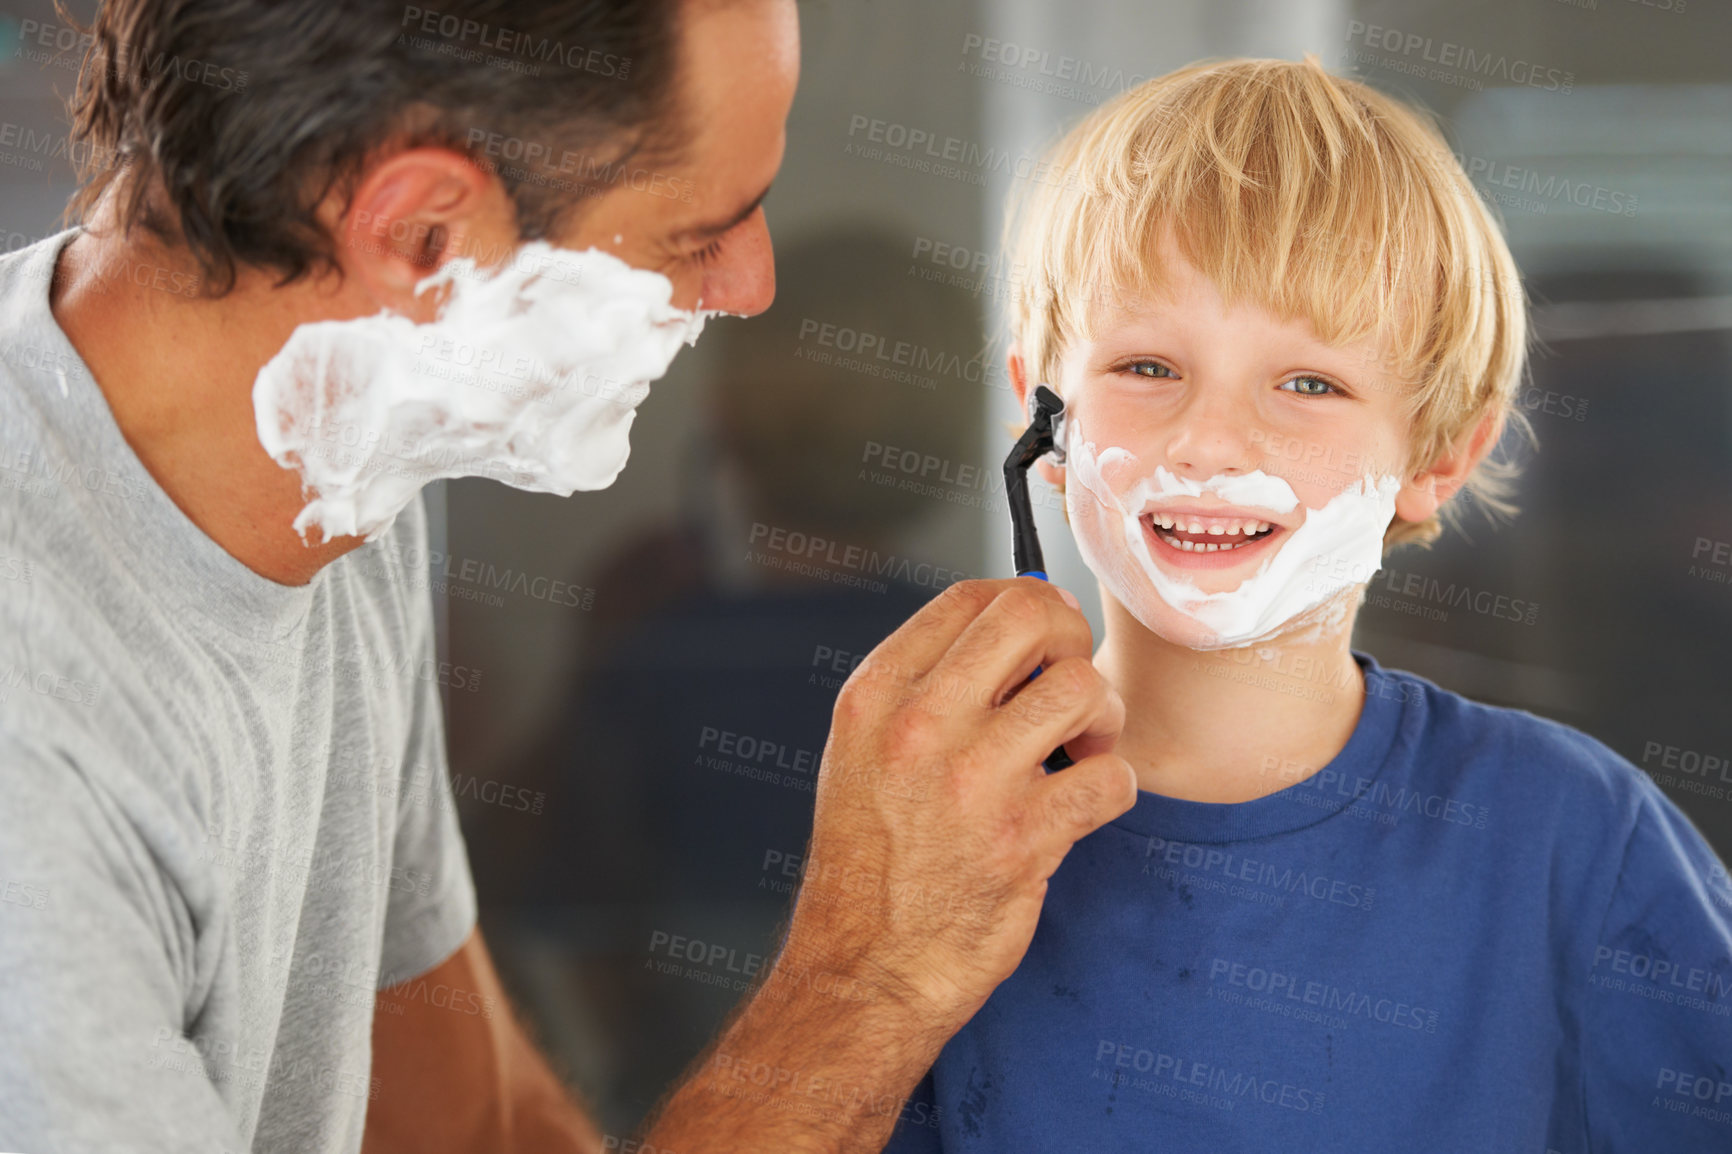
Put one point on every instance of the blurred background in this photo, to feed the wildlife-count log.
(635, 770)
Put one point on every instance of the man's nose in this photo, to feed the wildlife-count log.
(744, 280)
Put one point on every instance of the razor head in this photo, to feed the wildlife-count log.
(1045, 433)
(1043, 401)
(1043, 438)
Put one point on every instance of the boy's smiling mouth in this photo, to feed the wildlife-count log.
(1150, 538)
(1192, 536)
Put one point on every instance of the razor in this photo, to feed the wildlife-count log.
(1042, 438)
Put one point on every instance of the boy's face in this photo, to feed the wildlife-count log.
(1231, 476)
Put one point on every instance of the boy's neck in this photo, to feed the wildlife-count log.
(1231, 725)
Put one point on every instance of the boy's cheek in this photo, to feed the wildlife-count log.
(1083, 512)
(1099, 533)
(1101, 539)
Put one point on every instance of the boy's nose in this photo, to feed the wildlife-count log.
(1211, 436)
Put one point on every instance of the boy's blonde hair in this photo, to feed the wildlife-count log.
(1310, 195)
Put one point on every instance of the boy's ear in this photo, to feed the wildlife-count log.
(1018, 371)
(1424, 493)
(1019, 383)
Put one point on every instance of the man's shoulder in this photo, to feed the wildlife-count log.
(45, 468)
(392, 574)
(29, 267)
(25, 277)
(63, 639)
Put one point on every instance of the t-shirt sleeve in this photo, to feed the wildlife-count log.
(1658, 1023)
(97, 957)
(432, 906)
(917, 1129)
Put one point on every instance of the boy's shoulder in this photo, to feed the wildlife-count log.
(1604, 825)
(1517, 755)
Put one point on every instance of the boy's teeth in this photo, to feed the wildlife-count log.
(1227, 529)
(1243, 532)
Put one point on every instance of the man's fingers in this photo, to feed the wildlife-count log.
(1077, 801)
(917, 645)
(1101, 728)
(1027, 625)
(1070, 704)
(913, 650)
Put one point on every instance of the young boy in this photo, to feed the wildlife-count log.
(1350, 910)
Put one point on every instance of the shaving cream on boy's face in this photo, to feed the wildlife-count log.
(530, 374)
(1297, 562)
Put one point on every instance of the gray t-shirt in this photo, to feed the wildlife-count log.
(225, 815)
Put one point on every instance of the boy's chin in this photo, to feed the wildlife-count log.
(1169, 624)
(1176, 628)
(1180, 629)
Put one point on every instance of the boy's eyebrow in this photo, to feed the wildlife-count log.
(712, 229)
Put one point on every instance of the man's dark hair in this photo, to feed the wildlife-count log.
(223, 124)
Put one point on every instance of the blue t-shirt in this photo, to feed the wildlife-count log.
(1473, 930)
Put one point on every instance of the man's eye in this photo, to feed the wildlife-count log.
(1153, 369)
(1310, 386)
(708, 253)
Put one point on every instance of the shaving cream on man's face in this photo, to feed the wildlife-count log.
(530, 374)
(1273, 567)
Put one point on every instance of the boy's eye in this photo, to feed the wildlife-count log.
(1149, 369)
(1310, 386)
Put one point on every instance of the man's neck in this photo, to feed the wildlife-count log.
(178, 370)
(1231, 725)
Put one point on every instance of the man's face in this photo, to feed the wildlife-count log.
(698, 221)
(1185, 384)
(533, 372)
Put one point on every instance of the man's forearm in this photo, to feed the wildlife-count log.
(453, 1079)
(816, 1063)
(934, 834)
(545, 1119)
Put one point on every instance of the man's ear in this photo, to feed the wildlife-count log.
(1425, 492)
(412, 212)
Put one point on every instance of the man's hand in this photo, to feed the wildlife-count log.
(936, 827)
(935, 833)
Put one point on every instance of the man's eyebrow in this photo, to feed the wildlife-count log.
(712, 229)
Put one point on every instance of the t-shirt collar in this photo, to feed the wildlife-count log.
(1316, 798)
